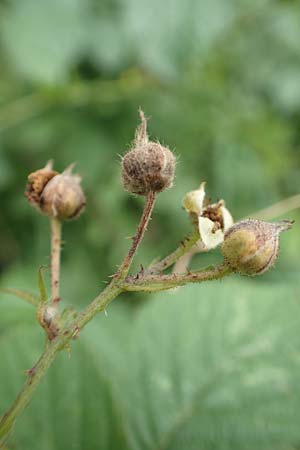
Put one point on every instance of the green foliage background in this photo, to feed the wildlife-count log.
(212, 367)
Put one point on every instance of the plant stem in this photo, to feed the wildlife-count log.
(56, 227)
(142, 227)
(153, 283)
(277, 209)
(36, 374)
(24, 295)
(169, 260)
(182, 264)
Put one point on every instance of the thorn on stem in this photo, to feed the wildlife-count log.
(76, 333)
(30, 372)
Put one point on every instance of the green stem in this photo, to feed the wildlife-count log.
(141, 229)
(277, 209)
(154, 283)
(36, 374)
(56, 227)
(171, 259)
(24, 295)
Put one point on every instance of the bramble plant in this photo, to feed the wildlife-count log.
(249, 247)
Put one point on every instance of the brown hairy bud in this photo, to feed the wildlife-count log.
(56, 195)
(148, 167)
(251, 246)
(63, 197)
(37, 181)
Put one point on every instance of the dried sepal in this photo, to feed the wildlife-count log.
(36, 183)
(213, 220)
(194, 200)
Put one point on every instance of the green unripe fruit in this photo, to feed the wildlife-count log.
(251, 246)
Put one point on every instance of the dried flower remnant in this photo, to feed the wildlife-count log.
(148, 167)
(36, 183)
(213, 220)
(251, 246)
(56, 195)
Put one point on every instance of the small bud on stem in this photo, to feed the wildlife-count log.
(46, 316)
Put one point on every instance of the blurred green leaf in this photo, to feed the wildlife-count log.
(205, 367)
(43, 38)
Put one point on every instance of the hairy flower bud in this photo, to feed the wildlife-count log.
(251, 246)
(63, 197)
(148, 167)
(56, 195)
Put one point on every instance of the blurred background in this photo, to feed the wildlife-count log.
(220, 84)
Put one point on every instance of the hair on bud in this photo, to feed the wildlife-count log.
(148, 167)
(251, 246)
